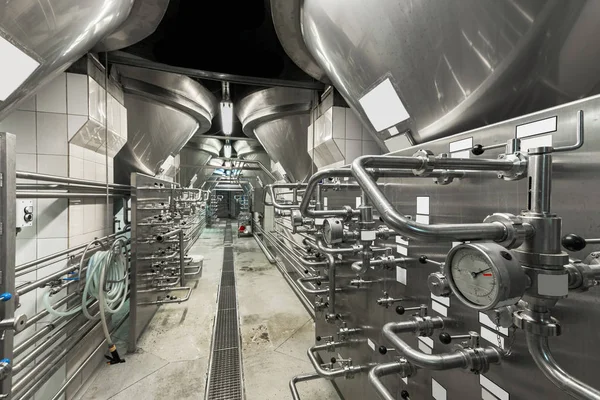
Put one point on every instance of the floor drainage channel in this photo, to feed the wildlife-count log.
(225, 369)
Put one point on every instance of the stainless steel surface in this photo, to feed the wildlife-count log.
(7, 245)
(470, 199)
(457, 64)
(165, 111)
(195, 156)
(143, 20)
(286, 19)
(56, 33)
(279, 119)
(123, 58)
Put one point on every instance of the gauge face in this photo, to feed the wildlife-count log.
(333, 231)
(474, 277)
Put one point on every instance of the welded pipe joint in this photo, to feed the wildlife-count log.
(516, 231)
(428, 159)
(519, 169)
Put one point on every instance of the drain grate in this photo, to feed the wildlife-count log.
(225, 371)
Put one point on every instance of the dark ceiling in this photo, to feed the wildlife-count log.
(226, 36)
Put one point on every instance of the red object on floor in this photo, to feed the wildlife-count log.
(242, 228)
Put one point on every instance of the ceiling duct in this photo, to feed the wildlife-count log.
(436, 68)
(50, 36)
(165, 111)
(279, 119)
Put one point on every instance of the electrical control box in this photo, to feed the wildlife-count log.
(24, 213)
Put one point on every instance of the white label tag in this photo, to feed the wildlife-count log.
(536, 141)
(422, 219)
(485, 320)
(402, 250)
(423, 205)
(401, 240)
(358, 202)
(553, 285)
(371, 344)
(463, 144)
(491, 337)
(401, 275)
(427, 340)
(443, 300)
(537, 127)
(493, 388)
(405, 380)
(437, 391)
(461, 154)
(440, 309)
(368, 235)
(424, 348)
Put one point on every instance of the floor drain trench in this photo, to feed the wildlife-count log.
(225, 368)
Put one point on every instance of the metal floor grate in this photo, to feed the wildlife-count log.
(225, 370)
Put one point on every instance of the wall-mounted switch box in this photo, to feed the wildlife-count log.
(24, 213)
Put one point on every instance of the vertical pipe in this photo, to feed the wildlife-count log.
(332, 283)
(182, 257)
(540, 180)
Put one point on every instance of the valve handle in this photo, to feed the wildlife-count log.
(318, 283)
(319, 338)
(445, 338)
(477, 150)
(5, 296)
(423, 259)
(573, 242)
(383, 350)
(333, 360)
(400, 310)
(404, 395)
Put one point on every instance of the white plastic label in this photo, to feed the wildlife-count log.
(393, 131)
(401, 275)
(485, 320)
(442, 300)
(437, 391)
(438, 308)
(427, 340)
(368, 235)
(461, 154)
(358, 202)
(402, 250)
(553, 285)
(537, 127)
(493, 388)
(422, 219)
(383, 106)
(401, 240)
(423, 205)
(424, 348)
(463, 144)
(324, 203)
(491, 337)
(536, 141)
(485, 395)
(371, 344)
(405, 380)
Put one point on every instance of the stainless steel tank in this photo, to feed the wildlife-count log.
(164, 111)
(454, 64)
(279, 119)
(195, 156)
(56, 33)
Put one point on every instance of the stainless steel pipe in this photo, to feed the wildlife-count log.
(541, 354)
(413, 229)
(405, 369)
(298, 379)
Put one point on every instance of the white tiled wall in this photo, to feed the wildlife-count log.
(43, 126)
(339, 137)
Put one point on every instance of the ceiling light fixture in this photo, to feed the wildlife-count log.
(226, 111)
(227, 150)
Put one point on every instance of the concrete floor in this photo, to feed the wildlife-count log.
(173, 354)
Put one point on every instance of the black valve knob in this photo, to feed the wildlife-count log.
(477, 150)
(318, 338)
(400, 310)
(423, 259)
(318, 283)
(333, 360)
(573, 242)
(383, 350)
(404, 395)
(306, 271)
(445, 338)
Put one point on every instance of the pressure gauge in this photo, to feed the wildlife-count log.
(485, 275)
(333, 231)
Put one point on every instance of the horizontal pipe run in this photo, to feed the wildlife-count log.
(65, 252)
(42, 314)
(541, 354)
(413, 229)
(40, 333)
(264, 249)
(60, 179)
(66, 195)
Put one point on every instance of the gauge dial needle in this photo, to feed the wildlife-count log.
(475, 274)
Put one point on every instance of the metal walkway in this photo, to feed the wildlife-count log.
(225, 369)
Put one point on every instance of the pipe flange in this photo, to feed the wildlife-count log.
(519, 169)
(516, 233)
(428, 161)
(446, 178)
(296, 218)
(425, 325)
(477, 362)
(407, 369)
(547, 327)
